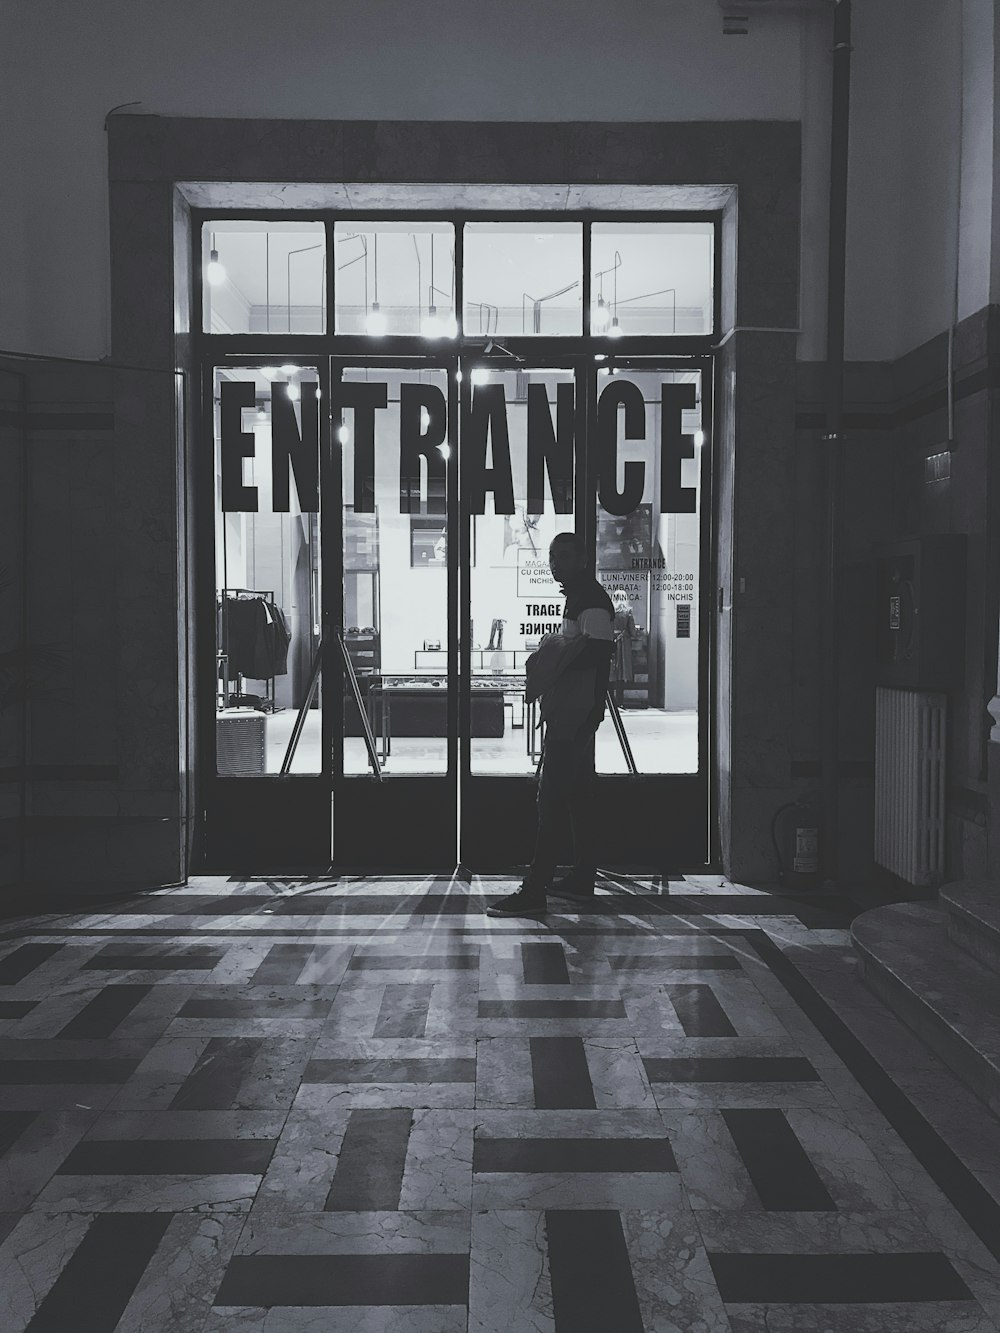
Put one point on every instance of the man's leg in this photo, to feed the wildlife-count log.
(555, 782)
(582, 814)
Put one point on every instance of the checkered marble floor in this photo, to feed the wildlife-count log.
(362, 1104)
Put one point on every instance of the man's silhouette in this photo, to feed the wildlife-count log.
(569, 674)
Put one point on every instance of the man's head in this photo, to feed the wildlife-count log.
(567, 556)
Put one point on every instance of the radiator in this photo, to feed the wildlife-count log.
(909, 783)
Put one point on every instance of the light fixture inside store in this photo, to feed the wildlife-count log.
(444, 450)
(293, 392)
(615, 330)
(269, 372)
(425, 420)
(344, 434)
(261, 413)
(215, 271)
(480, 375)
(376, 322)
(289, 370)
(600, 316)
(699, 438)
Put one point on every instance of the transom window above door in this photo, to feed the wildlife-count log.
(476, 278)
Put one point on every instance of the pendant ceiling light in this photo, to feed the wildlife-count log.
(376, 323)
(215, 272)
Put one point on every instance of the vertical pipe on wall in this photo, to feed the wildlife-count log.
(833, 435)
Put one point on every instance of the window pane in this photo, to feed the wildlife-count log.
(267, 277)
(651, 278)
(523, 278)
(648, 560)
(513, 598)
(395, 278)
(267, 554)
(395, 568)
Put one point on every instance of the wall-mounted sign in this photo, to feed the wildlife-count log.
(485, 442)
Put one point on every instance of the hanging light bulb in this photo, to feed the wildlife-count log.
(699, 438)
(444, 450)
(480, 375)
(269, 372)
(215, 272)
(262, 414)
(430, 326)
(344, 434)
(599, 317)
(289, 370)
(449, 326)
(376, 322)
(616, 329)
(293, 392)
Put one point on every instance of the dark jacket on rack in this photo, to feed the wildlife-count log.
(256, 638)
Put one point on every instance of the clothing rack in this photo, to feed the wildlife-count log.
(235, 594)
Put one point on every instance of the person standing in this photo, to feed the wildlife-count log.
(569, 675)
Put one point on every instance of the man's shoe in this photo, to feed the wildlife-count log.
(526, 901)
(574, 885)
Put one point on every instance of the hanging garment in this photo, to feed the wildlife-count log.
(257, 638)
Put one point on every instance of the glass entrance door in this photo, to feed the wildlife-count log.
(393, 650)
(381, 572)
(618, 454)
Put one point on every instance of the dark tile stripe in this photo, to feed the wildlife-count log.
(12, 1126)
(403, 1011)
(593, 1290)
(551, 1009)
(23, 961)
(836, 1279)
(345, 1279)
(16, 1008)
(220, 1072)
(153, 962)
(560, 1074)
(564, 1154)
(369, 1172)
(421, 962)
(105, 1011)
(262, 1007)
(66, 1071)
(282, 965)
(168, 1157)
(698, 1011)
(97, 1282)
(782, 1174)
(390, 1071)
(677, 962)
(730, 1069)
(544, 965)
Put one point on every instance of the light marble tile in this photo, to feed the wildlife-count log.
(674, 1096)
(319, 1097)
(39, 1151)
(274, 1076)
(845, 1163)
(509, 1283)
(438, 1172)
(175, 1292)
(148, 1194)
(504, 1073)
(411, 1232)
(673, 1278)
(155, 1083)
(583, 1189)
(31, 1258)
(339, 1319)
(905, 1317)
(711, 1168)
(617, 1073)
(302, 1167)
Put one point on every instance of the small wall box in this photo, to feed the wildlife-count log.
(920, 613)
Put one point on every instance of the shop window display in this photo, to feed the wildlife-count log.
(268, 686)
(393, 278)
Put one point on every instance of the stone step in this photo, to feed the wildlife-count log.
(951, 1001)
(973, 907)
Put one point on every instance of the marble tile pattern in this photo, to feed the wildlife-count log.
(362, 1104)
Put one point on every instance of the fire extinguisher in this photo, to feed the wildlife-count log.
(795, 832)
